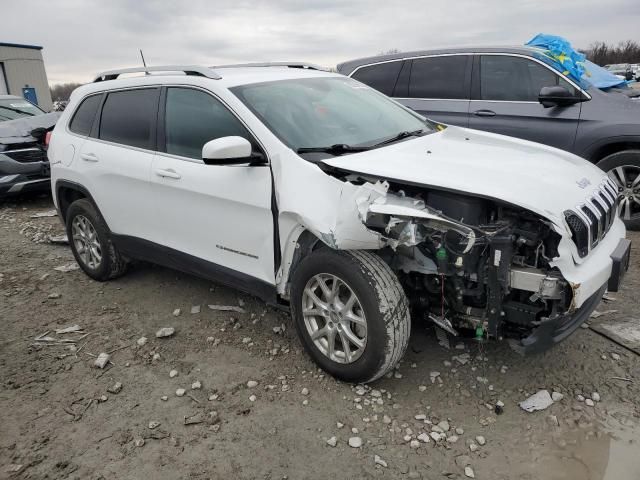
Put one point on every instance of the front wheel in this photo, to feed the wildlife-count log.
(624, 169)
(351, 313)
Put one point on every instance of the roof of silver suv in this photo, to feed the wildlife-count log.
(346, 68)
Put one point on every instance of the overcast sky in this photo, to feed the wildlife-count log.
(82, 37)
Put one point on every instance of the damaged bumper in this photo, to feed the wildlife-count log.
(23, 170)
(554, 330)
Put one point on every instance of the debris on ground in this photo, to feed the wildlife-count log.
(597, 314)
(153, 424)
(141, 341)
(47, 213)
(538, 401)
(226, 308)
(58, 239)
(180, 392)
(332, 442)
(355, 442)
(71, 329)
(165, 332)
(67, 268)
(379, 461)
(177, 312)
(252, 384)
(556, 396)
(53, 296)
(173, 373)
(195, 309)
(102, 360)
(115, 388)
(197, 385)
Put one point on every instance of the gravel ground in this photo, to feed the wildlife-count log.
(254, 406)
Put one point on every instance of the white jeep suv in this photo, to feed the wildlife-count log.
(315, 192)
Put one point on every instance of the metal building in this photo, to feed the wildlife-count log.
(22, 73)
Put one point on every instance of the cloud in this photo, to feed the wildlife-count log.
(82, 37)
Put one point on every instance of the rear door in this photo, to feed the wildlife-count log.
(115, 160)
(505, 100)
(437, 87)
(217, 213)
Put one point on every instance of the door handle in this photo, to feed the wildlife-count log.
(168, 173)
(484, 113)
(89, 157)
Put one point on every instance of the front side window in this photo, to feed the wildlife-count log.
(326, 111)
(515, 79)
(382, 77)
(14, 108)
(193, 118)
(128, 117)
(439, 77)
(83, 118)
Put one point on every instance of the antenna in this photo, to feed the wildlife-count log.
(144, 63)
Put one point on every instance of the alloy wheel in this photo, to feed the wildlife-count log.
(627, 178)
(86, 242)
(334, 318)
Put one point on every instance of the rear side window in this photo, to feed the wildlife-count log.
(193, 118)
(83, 118)
(382, 77)
(439, 77)
(515, 79)
(128, 117)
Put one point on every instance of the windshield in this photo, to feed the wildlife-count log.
(13, 108)
(317, 113)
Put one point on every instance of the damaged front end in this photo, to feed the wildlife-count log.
(473, 266)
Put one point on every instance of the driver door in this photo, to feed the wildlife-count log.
(218, 215)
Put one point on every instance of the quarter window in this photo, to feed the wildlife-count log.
(515, 79)
(128, 117)
(84, 116)
(439, 77)
(193, 118)
(382, 77)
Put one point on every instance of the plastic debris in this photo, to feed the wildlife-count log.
(538, 401)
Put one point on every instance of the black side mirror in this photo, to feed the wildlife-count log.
(557, 96)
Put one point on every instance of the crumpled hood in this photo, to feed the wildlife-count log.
(19, 130)
(541, 179)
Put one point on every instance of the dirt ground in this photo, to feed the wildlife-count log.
(59, 419)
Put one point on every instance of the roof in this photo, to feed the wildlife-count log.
(20, 45)
(228, 77)
(348, 67)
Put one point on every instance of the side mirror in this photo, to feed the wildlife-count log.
(557, 96)
(228, 151)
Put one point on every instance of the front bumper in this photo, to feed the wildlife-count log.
(22, 177)
(555, 330)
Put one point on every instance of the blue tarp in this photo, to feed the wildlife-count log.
(572, 63)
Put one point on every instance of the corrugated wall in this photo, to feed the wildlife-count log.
(25, 67)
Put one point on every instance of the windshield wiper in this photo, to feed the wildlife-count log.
(400, 136)
(17, 111)
(337, 149)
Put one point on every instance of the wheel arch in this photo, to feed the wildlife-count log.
(609, 146)
(68, 192)
(300, 243)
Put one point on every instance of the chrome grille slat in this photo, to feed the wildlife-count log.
(597, 214)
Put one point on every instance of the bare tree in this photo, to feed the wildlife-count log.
(603, 54)
(62, 91)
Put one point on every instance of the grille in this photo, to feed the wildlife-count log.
(27, 155)
(590, 221)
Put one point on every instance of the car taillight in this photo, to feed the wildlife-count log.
(47, 138)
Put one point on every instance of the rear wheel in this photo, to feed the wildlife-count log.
(351, 313)
(91, 243)
(624, 169)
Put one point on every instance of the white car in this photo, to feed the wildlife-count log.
(315, 192)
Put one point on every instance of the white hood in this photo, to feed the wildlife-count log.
(541, 179)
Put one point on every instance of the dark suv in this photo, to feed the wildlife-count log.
(517, 91)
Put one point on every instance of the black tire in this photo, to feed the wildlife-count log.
(383, 302)
(112, 264)
(631, 160)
